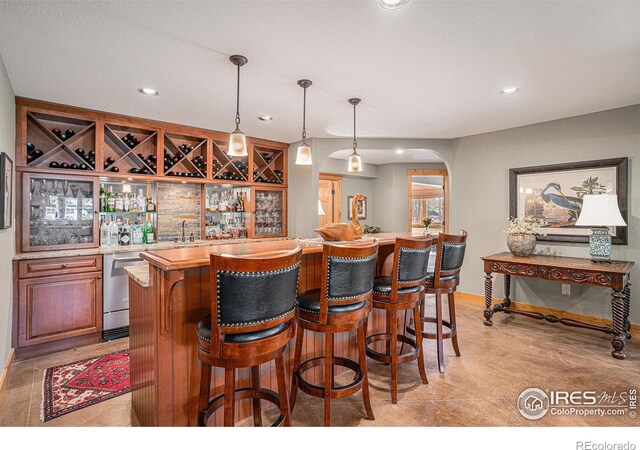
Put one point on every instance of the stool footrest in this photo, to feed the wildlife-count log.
(338, 391)
(386, 357)
(446, 335)
(241, 394)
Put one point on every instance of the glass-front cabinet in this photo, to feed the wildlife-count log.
(59, 213)
(269, 212)
(227, 209)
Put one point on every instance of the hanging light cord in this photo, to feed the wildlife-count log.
(355, 143)
(238, 100)
(304, 117)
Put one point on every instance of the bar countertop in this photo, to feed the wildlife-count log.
(190, 258)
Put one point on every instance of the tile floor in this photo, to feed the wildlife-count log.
(478, 389)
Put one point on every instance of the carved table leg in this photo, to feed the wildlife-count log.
(619, 318)
(507, 293)
(488, 285)
(626, 292)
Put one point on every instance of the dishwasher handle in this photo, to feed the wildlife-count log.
(128, 259)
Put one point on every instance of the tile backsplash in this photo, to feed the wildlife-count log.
(178, 203)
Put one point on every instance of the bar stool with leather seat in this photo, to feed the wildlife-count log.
(342, 304)
(252, 320)
(402, 291)
(444, 280)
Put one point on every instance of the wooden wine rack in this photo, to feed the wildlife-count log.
(191, 152)
(268, 162)
(129, 159)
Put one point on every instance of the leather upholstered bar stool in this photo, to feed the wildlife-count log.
(402, 291)
(251, 322)
(444, 280)
(342, 303)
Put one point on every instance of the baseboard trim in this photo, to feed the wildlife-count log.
(591, 320)
(5, 371)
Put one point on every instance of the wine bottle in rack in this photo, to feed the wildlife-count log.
(54, 165)
(57, 132)
(64, 165)
(115, 169)
(108, 161)
(70, 133)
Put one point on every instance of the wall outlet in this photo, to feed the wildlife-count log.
(566, 289)
(126, 299)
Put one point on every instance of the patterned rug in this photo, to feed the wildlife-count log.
(74, 386)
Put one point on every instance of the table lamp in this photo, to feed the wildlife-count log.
(600, 212)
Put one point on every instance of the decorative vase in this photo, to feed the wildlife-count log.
(521, 244)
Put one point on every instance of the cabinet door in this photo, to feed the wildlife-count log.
(269, 212)
(59, 307)
(59, 212)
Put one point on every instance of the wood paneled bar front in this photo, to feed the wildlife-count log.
(165, 307)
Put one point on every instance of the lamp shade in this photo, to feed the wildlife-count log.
(355, 163)
(237, 144)
(303, 157)
(600, 211)
(320, 210)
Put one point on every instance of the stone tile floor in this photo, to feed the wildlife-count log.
(478, 389)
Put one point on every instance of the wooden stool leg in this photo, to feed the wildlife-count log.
(439, 338)
(282, 391)
(393, 317)
(452, 320)
(388, 330)
(296, 366)
(255, 384)
(229, 396)
(362, 333)
(328, 359)
(205, 388)
(404, 329)
(420, 343)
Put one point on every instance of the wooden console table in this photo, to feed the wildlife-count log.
(614, 275)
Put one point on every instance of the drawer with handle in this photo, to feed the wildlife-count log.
(59, 266)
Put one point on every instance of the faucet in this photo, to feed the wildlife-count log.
(184, 222)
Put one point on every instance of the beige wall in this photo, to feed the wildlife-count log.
(7, 243)
(480, 202)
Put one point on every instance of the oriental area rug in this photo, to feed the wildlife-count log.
(70, 387)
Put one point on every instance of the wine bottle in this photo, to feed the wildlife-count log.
(74, 166)
(92, 154)
(115, 169)
(70, 133)
(80, 152)
(57, 132)
(54, 165)
(64, 165)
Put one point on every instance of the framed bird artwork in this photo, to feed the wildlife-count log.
(554, 193)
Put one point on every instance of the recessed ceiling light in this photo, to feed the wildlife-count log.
(510, 90)
(265, 118)
(392, 4)
(148, 91)
(399, 151)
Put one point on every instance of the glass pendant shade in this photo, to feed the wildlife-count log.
(303, 157)
(237, 144)
(355, 163)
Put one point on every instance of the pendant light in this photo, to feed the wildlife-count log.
(237, 139)
(355, 161)
(303, 157)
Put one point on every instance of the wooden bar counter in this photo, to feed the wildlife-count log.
(165, 306)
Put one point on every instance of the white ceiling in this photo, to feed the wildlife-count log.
(378, 157)
(429, 70)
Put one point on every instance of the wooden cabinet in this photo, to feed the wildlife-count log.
(57, 299)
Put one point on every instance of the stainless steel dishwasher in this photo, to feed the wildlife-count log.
(115, 294)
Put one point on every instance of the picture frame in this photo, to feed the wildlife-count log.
(554, 194)
(6, 191)
(362, 208)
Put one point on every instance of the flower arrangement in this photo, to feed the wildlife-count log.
(523, 225)
(426, 221)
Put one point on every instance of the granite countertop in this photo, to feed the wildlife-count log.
(132, 248)
(139, 274)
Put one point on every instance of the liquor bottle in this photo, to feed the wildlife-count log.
(124, 237)
(119, 202)
(149, 234)
(113, 232)
(103, 199)
(245, 202)
(126, 203)
(151, 207)
(141, 201)
(137, 234)
(104, 232)
(111, 200)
